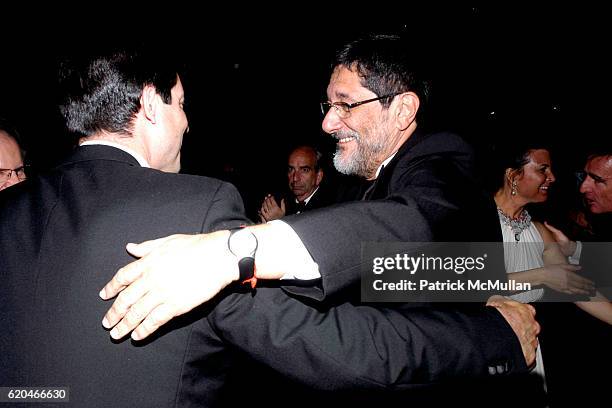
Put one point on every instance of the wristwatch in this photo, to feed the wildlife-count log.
(242, 243)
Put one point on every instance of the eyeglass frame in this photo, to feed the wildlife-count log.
(346, 107)
(16, 170)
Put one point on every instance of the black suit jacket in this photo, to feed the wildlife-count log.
(344, 345)
(63, 237)
(427, 192)
(320, 199)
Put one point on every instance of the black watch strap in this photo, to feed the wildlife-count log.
(246, 266)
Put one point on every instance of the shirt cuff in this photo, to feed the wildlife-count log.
(292, 248)
(574, 258)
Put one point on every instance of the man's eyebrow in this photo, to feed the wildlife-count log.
(342, 95)
(595, 176)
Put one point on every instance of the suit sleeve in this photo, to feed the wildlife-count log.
(226, 210)
(333, 237)
(347, 346)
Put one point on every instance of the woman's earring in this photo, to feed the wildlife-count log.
(513, 191)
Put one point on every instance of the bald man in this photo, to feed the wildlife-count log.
(304, 175)
(11, 161)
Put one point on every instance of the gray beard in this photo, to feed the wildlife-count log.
(362, 162)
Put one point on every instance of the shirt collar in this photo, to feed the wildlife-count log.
(309, 197)
(383, 164)
(141, 160)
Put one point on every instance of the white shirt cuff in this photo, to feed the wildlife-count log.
(303, 266)
(574, 258)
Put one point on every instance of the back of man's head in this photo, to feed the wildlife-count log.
(103, 92)
(386, 66)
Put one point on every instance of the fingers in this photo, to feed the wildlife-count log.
(124, 277)
(495, 300)
(580, 284)
(521, 318)
(551, 228)
(158, 317)
(135, 315)
(144, 248)
(532, 310)
(557, 233)
(124, 302)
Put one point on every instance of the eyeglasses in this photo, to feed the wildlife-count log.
(343, 109)
(6, 174)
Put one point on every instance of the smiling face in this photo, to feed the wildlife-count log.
(533, 182)
(362, 137)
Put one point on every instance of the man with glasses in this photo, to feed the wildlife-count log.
(12, 169)
(422, 190)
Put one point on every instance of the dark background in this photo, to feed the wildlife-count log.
(253, 84)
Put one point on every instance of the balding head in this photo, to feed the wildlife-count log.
(10, 159)
(304, 172)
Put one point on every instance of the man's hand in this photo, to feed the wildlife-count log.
(566, 245)
(521, 317)
(563, 278)
(270, 210)
(175, 274)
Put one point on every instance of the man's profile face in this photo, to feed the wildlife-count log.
(175, 125)
(10, 158)
(302, 174)
(362, 137)
(597, 186)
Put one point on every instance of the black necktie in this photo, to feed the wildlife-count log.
(300, 206)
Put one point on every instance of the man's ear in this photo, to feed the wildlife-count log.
(149, 103)
(407, 105)
(319, 176)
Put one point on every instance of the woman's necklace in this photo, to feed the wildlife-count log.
(518, 224)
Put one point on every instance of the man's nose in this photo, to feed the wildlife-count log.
(585, 186)
(331, 122)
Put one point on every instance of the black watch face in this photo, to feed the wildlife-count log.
(243, 243)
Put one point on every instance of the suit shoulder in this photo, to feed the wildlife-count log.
(189, 182)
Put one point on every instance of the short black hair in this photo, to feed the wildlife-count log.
(385, 65)
(103, 92)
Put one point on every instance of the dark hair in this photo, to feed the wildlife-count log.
(513, 154)
(385, 66)
(603, 149)
(104, 92)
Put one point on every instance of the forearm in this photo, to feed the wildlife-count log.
(534, 276)
(333, 237)
(598, 307)
(364, 346)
